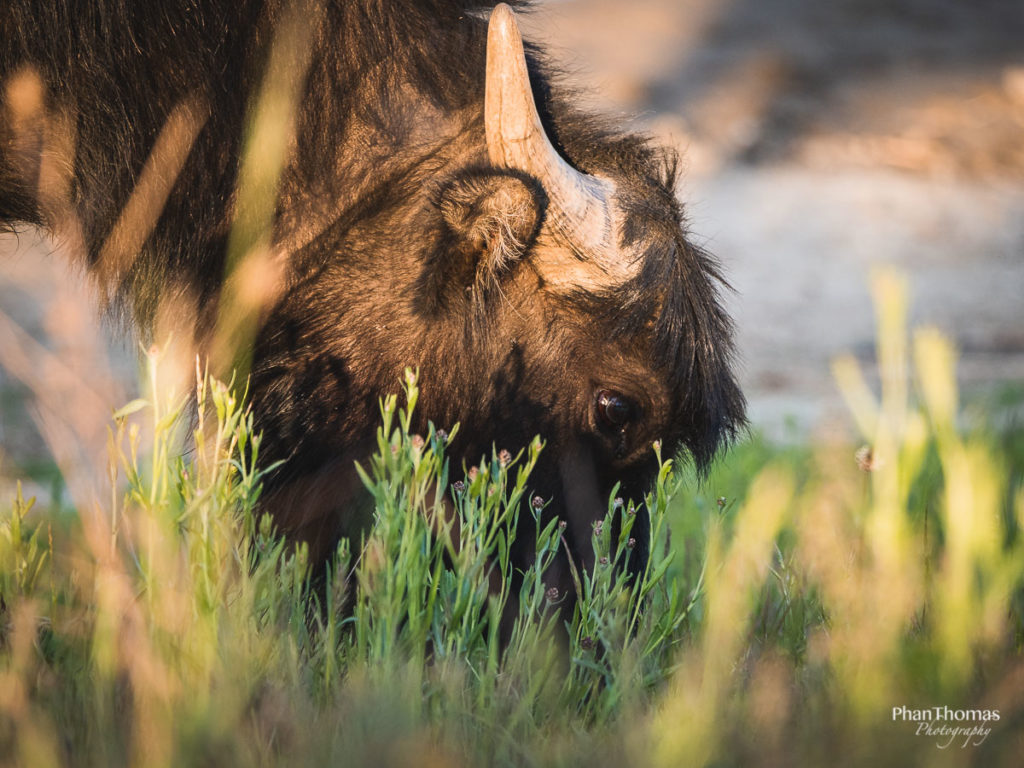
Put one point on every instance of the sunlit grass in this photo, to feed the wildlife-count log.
(792, 600)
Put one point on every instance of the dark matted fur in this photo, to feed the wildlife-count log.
(420, 253)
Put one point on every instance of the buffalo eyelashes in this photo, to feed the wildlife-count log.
(614, 410)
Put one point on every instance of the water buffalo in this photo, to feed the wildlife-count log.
(442, 203)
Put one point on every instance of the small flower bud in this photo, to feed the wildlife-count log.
(459, 486)
(561, 525)
(587, 643)
(442, 436)
(537, 502)
(617, 504)
(866, 459)
(631, 543)
(551, 594)
(417, 442)
(604, 560)
(504, 457)
(721, 501)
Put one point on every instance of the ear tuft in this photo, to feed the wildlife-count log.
(494, 214)
(482, 221)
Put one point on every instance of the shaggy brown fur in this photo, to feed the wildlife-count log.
(402, 244)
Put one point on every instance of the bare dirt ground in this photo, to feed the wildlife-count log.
(821, 139)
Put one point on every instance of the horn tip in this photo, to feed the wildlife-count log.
(503, 20)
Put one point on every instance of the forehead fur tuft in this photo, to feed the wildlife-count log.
(673, 306)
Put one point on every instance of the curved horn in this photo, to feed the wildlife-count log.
(580, 204)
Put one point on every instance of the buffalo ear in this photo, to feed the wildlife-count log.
(483, 221)
(493, 216)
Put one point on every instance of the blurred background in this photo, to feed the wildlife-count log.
(820, 139)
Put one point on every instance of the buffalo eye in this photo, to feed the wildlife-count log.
(614, 410)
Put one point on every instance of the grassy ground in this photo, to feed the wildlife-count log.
(796, 600)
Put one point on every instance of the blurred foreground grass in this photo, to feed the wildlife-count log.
(794, 599)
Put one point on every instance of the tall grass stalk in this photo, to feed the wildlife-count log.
(790, 602)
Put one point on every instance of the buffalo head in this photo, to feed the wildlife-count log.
(538, 272)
